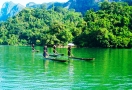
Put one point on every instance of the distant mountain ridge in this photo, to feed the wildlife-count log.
(32, 5)
(10, 9)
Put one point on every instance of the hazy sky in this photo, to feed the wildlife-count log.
(24, 2)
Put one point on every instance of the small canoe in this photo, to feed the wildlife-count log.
(56, 59)
(55, 55)
(82, 58)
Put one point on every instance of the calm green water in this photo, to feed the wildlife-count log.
(21, 69)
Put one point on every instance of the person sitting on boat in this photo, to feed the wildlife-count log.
(54, 49)
(69, 51)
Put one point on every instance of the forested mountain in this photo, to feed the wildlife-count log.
(84, 5)
(111, 26)
(40, 26)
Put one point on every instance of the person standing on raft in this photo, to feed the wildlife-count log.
(54, 49)
(69, 51)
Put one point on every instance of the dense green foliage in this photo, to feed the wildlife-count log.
(40, 26)
(111, 26)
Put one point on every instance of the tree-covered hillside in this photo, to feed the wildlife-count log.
(40, 26)
(109, 27)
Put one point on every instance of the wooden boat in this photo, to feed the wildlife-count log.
(54, 59)
(82, 58)
(55, 55)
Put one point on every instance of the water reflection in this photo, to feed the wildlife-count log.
(46, 63)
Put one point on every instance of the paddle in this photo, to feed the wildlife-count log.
(58, 53)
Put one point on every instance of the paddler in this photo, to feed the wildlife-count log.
(69, 50)
(54, 49)
(45, 52)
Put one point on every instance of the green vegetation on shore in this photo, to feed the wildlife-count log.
(111, 26)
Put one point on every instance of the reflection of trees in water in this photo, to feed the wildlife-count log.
(55, 68)
(33, 57)
(71, 71)
(46, 63)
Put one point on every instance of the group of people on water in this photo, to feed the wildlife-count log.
(45, 50)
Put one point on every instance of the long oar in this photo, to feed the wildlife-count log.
(59, 54)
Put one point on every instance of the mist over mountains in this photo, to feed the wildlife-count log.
(10, 9)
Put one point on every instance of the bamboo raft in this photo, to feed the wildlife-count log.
(55, 55)
(54, 59)
(82, 58)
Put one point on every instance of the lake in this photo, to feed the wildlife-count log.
(22, 69)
